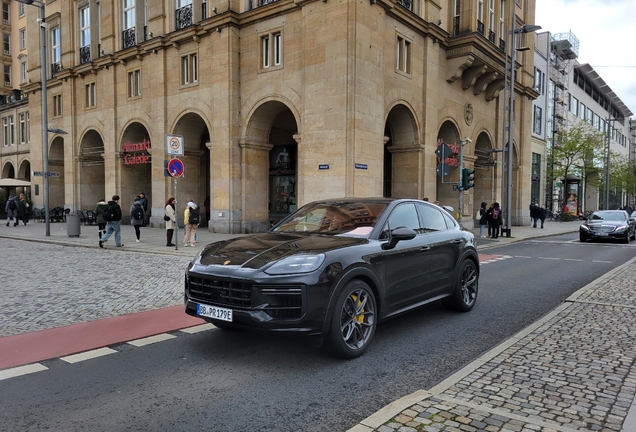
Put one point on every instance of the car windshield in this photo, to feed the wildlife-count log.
(345, 218)
(608, 216)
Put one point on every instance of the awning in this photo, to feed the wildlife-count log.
(11, 183)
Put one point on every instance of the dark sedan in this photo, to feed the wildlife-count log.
(608, 224)
(335, 269)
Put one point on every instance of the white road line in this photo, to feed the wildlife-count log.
(548, 258)
(152, 339)
(197, 329)
(521, 256)
(21, 370)
(572, 259)
(606, 262)
(76, 358)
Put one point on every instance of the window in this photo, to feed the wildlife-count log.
(189, 69)
(537, 120)
(6, 44)
(535, 188)
(271, 50)
(7, 75)
(55, 48)
(183, 14)
(491, 15)
(24, 128)
(403, 49)
(129, 14)
(589, 115)
(538, 80)
(502, 9)
(57, 105)
(91, 95)
(8, 131)
(22, 37)
(23, 71)
(20, 10)
(85, 27)
(5, 13)
(582, 111)
(480, 16)
(597, 122)
(403, 215)
(574, 106)
(134, 83)
(456, 11)
(432, 218)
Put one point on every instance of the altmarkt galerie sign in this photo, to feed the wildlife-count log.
(136, 153)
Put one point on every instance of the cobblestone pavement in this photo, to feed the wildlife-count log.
(574, 370)
(47, 285)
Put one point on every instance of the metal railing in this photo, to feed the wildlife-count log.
(406, 3)
(128, 38)
(184, 17)
(55, 68)
(480, 27)
(85, 54)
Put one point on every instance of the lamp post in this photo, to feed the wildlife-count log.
(527, 28)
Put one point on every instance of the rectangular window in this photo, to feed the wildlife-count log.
(85, 27)
(56, 53)
(491, 16)
(7, 75)
(57, 105)
(11, 131)
(502, 12)
(582, 110)
(91, 95)
(24, 135)
(574, 106)
(271, 50)
(6, 44)
(23, 72)
(403, 51)
(134, 83)
(535, 190)
(480, 16)
(22, 38)
(189, 69)
(537, 120)
(589, 116)
(20, 10)
(5, 13)
(456, 10)
(5, 131)
(129, 14)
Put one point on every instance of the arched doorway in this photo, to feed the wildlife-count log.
(449, 134)
(401, 154)
(57, 196)
(195, 185)
(91, 170)
(136, 173)
(486, 174)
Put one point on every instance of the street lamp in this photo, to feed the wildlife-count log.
(527, 28)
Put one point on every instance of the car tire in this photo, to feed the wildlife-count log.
(466, 287)
(582, 238)
(353, 321)
(626, 239)
(633, 237)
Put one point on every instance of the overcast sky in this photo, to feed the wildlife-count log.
(605, 30)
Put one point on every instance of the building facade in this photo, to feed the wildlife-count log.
(278, 102)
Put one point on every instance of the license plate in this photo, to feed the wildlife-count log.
(214, 312)
(600, 234)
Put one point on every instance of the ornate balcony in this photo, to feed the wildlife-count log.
(456, 26)
(265, 2)
(184, 17)
(502, 44)
(85, 54)
(480, 27)
(129, 38)
(406, 3)
(491, 36)
(55, 68)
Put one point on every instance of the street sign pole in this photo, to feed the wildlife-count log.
(176, 231)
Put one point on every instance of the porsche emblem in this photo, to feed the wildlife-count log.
(226, 262)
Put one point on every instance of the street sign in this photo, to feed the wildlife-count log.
(48, 174)
(442, 169)
(176, 168)
(443, 151)
(174, 145)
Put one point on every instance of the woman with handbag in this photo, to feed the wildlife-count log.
(171, 220)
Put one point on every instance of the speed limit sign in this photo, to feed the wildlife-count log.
(174, 145)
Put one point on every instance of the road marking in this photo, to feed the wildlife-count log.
(151, 339)
(197, 329)
(549, 258)
(522, 256)
(605, 262)
(21, 370)
(76, 358)
(572, 259)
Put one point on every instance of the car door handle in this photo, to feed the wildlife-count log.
(456, 241)
(425, 248)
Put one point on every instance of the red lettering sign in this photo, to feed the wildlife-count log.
(136, 159)
(131, 157)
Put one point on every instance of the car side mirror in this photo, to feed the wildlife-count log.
(397, 235)
(632, 220)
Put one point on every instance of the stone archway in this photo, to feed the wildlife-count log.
(402, 155)
(57, 196)
(269, 157)
(195, 185)
(136, 174)
(486, 173)
(91, 170)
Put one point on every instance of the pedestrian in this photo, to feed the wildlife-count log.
(137, 217)
(144, 204)
(112, 216)
(99, 217)
(483, 219)
(171, 220)
(437, 203)
(425, 199)
(191, 220)
(206, 204)
(11, 209)
(534, 214)
(489, 211)
(496, 220)
(24, 204)
(542, 215)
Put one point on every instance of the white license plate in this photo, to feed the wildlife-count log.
(214, 312)
(600, 234)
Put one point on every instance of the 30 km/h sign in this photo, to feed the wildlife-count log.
(176, 168)
(174, 145)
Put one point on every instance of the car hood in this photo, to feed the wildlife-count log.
(259, 250)
(613, 223)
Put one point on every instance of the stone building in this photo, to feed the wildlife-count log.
(279, 102)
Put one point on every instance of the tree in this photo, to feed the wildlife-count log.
(622, 179)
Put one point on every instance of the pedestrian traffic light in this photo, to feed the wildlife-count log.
(468, 178)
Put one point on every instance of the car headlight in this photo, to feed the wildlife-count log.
(296, 264)
(585, 227)
(621, 228)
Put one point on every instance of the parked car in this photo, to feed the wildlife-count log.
(608, 224)
(334, 269)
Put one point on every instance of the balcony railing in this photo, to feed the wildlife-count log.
(55, 68)
(406, 3)
(184, 17)
(456, 26)
(502, 44)
(491, 36)
(265, 2)
(85, 54)
(480, 27)
(128, 38)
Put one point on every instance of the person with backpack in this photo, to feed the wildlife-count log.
(112, 216)
(496, 220)
(99, 217)
(137, 216)
(144, 204)
(191, 219)
(11, 209)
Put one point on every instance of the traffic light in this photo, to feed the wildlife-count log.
(468, 178)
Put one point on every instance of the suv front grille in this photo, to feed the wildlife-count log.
(221, 292)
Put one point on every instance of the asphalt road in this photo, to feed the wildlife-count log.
(238, 381)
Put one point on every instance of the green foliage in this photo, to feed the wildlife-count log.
(621, 174)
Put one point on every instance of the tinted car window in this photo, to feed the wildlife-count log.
(450, 222)
(432, 218)
(403, 215)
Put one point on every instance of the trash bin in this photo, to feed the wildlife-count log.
(73, 225)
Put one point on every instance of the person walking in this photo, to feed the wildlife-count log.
(112, 216)
(489, 220)
(542, 215)
(11, 209)
(99, 217)
(496, 220)
(144, 204)
(534, 214)
(483, 219)
(171, 220)
(191, 219)
(23, 210)
(137, 217)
